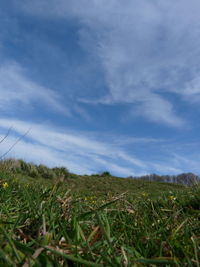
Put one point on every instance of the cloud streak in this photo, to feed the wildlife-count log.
(71, 148)
(112, 73)
(142, 55)
(18, 91)
(84, 152)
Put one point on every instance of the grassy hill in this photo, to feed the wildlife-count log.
(99, 220)
(98, 184)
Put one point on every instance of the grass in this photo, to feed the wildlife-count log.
(98, 221)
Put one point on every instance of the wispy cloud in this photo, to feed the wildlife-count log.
(20, 92)
(84, 152)
(142, 55)
(103, 70)
(71, 148)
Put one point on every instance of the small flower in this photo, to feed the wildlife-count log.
(172, 198)
(144, 194)
(5, 185)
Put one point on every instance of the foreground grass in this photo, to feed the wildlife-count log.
(48, 225)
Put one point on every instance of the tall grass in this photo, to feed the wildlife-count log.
(49, 225)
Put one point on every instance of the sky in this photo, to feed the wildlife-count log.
(102, 85)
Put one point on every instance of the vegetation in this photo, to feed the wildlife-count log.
(96, 220)
(183, 178)
(32, 170)
(41, 171)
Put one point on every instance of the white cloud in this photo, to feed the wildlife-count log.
(189, 161)
(70, 148)
(146, 48)
(18, 91)
(158, 109)
(40, 154)
(83, 154)
(148, 52)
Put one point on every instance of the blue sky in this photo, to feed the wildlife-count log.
(102, 85)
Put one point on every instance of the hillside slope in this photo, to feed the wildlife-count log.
(99, 184)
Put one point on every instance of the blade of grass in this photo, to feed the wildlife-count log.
(72, 258)
(11, 244)
(195, 251)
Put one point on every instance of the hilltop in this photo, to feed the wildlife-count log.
(99, 184)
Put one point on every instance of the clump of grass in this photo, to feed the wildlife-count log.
(14, 166)
(48, 225)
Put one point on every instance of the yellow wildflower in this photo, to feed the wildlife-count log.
(172, 197)
(5, 185)
(144, 194)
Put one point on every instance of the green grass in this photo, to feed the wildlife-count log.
(88, 221)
